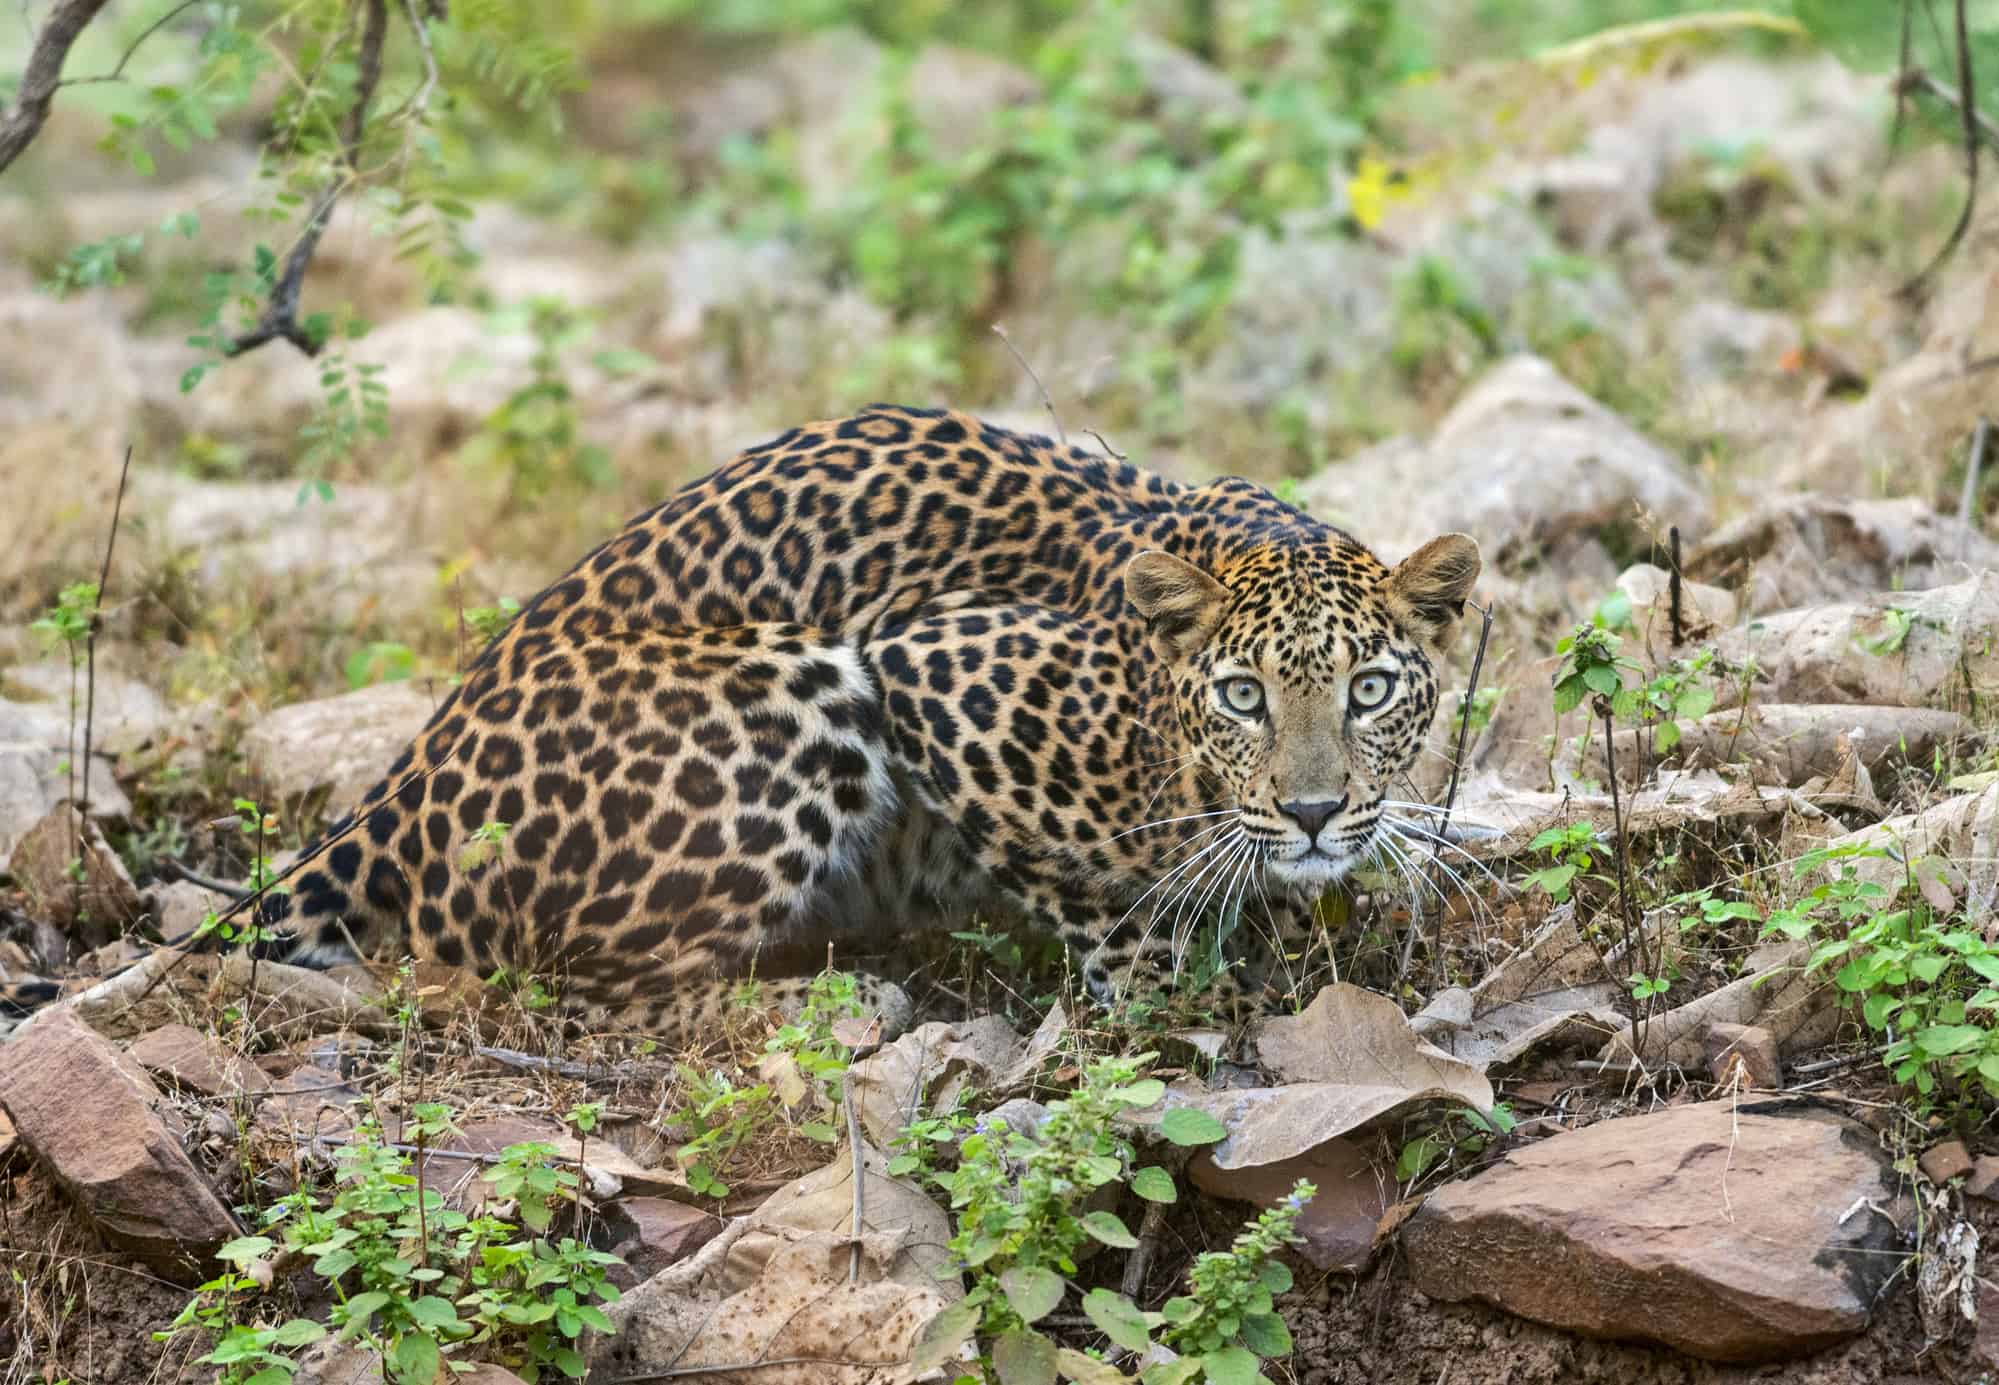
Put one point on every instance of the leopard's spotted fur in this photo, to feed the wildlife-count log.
(879, 670)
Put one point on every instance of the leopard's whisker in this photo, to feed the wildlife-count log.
(1189, 883)
(1156, 886)
(1433, 843)
(1183, 938)
(1187, 888)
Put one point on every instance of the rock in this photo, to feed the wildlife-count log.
(650, 1233)
(125, 714)
(198, 1061)
(1724, 1230)
(1188, 94)
(608, 1171)
(1941, 1163)
(1592, 202)
(1784, 743)
(74, 879)
(1800, 1009)
(1983, 1181)
(1703, 609)
(180, 906)
(34, 741)
(1718, 341)
(1802, 550)
(1307, 305)
(1749, 1049)
(98, 384)
(1524, 461)
(1897, 649)
(90, 1114)
(339, 746)
(367, 547)
(1919, 414)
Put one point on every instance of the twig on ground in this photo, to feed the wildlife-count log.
(22, 121)
(1046, 402)
(207, 882)
(859, 1166)
(1139, 1262)
(280, 320)
(1634, 939)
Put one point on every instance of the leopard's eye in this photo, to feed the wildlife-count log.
(1243, 696)
(1370, 690)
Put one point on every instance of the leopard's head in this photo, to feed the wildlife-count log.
(1305, 679)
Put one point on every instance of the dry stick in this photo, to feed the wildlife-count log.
(1634, 943)
(1150, 1230)
(280, 318)
(1046, 402)
(1457, 769)
(96, 621)
(1979, 437)
(854, 1157)
(1673, 585)
(1917, 79)
(1968, 109)
(22, 121)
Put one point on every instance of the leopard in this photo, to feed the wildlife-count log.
(874, 676)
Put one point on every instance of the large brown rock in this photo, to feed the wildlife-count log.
(93, 1116)
(1732, 1234)
(338, 745)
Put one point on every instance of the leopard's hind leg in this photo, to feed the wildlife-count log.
(642, 816)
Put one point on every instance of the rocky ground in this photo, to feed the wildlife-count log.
(1687, 323)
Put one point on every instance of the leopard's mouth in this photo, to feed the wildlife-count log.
(1311, 867)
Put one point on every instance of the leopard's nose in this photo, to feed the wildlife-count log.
(1313, 816)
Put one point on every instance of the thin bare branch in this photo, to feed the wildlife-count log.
(1967, 107)
(96, 620)
(23, 120)
(1046, 402)
(280, 320)
(117, 74)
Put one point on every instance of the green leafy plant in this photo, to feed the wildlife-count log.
(535, 437)
(1460, 1131)
(421, 1283)
(1571, 851)
(1019, 1203)
(380, 662)
(1926, 978)
(486, 622)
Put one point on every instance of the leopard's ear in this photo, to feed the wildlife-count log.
(1431, 584)
(1181, 604)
